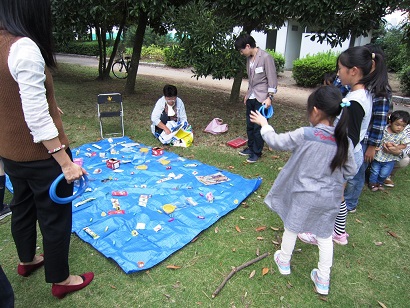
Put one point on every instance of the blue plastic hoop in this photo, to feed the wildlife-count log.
(80, 190)
(266, 112)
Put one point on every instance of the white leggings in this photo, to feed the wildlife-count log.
(325, 252)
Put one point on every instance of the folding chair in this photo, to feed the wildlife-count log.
(109, 106)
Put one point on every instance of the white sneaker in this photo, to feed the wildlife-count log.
(321, 285)
(283, 267)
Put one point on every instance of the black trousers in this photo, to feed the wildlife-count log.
(253, 131)
(6, 291)
(31, 203)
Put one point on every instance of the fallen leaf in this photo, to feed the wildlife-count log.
(252, 274)
(233, 249)
(231, 167)
(260, 238)
(323, 298)
(378, 243)
(257, 251)
(216, 229)
(261, 228)
(113, 287)
(359, 221)
(173, 266)
(265, 270)
(241, 217)
(381, 304)
(237, 229)
(275, 229)
(194, 239)
(275, 156)
(393, 234)
(275, 242)
(289, 285)
(167, 296)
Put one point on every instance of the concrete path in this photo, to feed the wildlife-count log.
(288, 92)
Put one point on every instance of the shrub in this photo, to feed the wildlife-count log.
(152, 53)
(309, 71)
(89, 48)
(279, 60)
(175, 57)
(405, 80)
(395, 50)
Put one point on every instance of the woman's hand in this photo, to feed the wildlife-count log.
(257, 118)
(391, 148)
(72, 172)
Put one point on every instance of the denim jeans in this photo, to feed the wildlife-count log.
(379, 171)
(355, 186)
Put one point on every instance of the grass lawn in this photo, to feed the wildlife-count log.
(372, 270)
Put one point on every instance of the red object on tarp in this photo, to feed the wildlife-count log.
(113, 163)
(237, 142)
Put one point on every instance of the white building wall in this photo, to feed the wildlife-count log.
(260, 39)
(310, 48)
(281, 39)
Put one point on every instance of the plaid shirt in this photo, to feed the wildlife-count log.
(380, 110)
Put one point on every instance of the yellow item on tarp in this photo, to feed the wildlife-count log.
(168, 208)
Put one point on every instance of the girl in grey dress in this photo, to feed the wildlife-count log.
(307, 192)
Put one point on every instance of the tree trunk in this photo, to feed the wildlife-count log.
(100, 51)
(107, 69)
(236, 87)
(136, 53)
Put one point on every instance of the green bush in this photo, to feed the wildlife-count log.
(279, 60)
(152, 53)
(309, 71)
(396, 52)
(174, 57)
(405, 80)
(89, 48)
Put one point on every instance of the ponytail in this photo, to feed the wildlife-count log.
(341, 137)
(370, 60)
(329, 100)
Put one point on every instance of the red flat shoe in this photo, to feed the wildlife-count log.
(26, 270)
(60, 291)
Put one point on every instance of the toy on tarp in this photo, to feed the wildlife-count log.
(113, 163)
(237, 142)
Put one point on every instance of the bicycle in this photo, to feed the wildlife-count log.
(121, 66)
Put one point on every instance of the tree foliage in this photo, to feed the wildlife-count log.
(206, 27)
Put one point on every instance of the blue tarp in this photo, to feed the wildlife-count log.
(132, 227)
